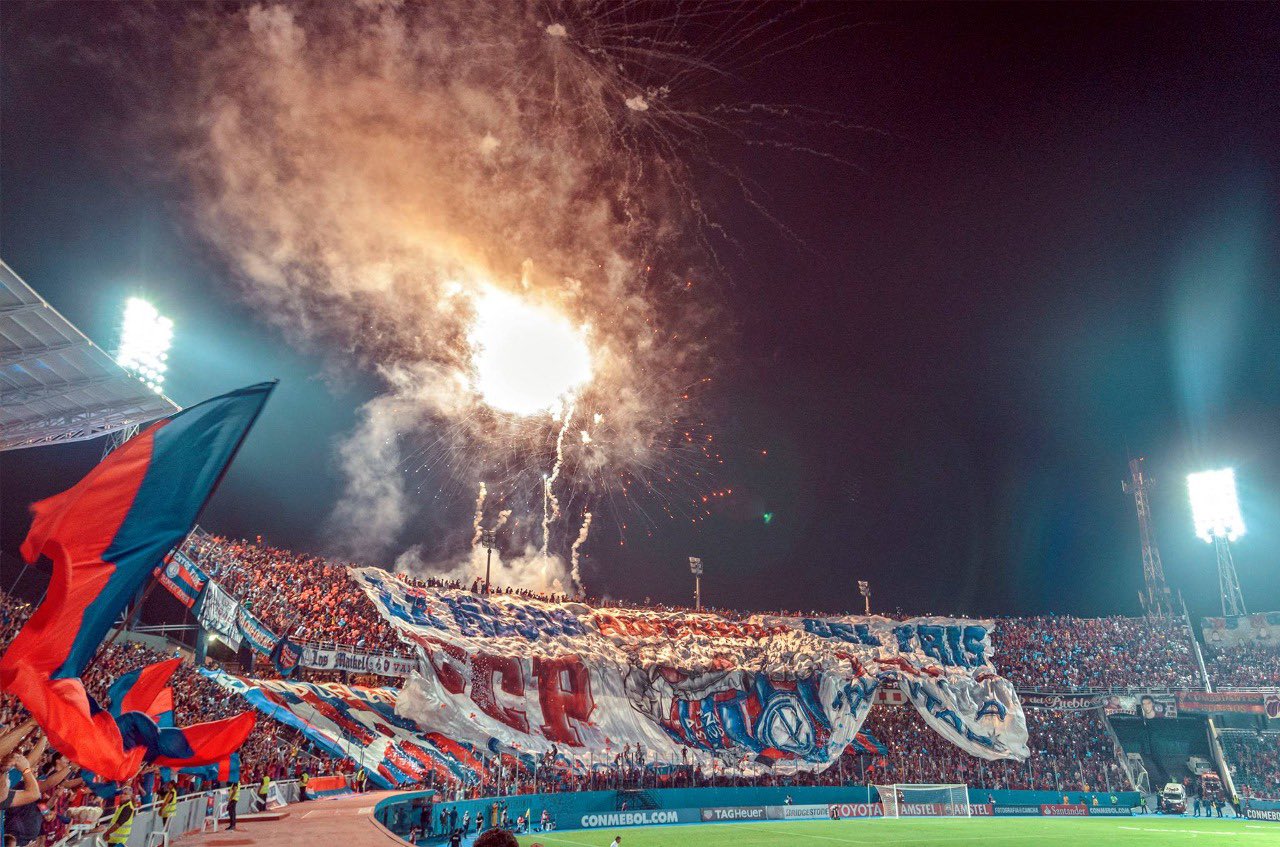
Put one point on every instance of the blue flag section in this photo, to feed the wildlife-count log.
(105, 536)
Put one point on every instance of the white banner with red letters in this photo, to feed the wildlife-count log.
(512, 672)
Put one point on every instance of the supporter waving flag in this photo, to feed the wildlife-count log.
(105, 535)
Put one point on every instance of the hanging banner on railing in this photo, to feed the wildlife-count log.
(1231, 702)
(1061, 702)
(357, 723)
(255, 632)
(218, 613)
(1148, 706)
(773, 690)
(182, 577)
(336, 658)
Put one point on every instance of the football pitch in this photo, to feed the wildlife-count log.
(939, 832)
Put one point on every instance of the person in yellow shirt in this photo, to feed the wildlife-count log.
(168, 804)
(303, 782)
(233, 800)
(263, 788)
(121, 824)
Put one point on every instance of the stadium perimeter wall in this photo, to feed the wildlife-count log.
(398, 813)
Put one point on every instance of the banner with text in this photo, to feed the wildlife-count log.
(1230, 702)
(336, 658)
(771, 690)
(218, 613)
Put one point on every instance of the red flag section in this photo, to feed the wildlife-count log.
(105, 535)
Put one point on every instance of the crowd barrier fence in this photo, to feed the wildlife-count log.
(190, 816)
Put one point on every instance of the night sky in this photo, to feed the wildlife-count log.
(1057, 247)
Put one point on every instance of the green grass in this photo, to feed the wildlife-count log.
(934, 832)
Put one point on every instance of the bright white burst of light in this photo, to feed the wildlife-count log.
(1215, 509)
(525, 358)
(145, 338)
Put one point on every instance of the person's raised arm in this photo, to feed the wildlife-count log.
(12, 738)
(30, 790)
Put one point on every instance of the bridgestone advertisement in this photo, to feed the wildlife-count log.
(795, 813)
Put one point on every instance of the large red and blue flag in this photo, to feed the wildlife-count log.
(104, 536)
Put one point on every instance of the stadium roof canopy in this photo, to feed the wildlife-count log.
(55, 384)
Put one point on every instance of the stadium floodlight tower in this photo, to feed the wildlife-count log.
(695, 568)
(1215, 509)
(145, 338)
(1155, 596)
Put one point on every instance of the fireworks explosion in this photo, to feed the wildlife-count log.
(489, 205)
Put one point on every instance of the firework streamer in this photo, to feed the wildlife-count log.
(551, 503)
(479, 516)
(575, 573)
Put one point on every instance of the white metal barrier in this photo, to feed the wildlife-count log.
(148, 828)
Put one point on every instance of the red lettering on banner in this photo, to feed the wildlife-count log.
(511, 679)
(564, 691)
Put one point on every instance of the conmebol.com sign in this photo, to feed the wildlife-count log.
(647, 817)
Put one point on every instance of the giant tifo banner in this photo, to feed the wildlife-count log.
(357, 723)
(520, 673)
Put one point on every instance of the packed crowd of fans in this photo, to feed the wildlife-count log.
(1255, 761)
(1244, 666)
(305, 597)
(1066, 652)
(1071, 751)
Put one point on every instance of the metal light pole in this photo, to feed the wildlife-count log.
(695, 567)
(488, 538)
(864, 588)
(1215, 510)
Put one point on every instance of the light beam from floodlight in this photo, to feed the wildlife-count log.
(145, 338)
(1215, 508)
(1215, 511)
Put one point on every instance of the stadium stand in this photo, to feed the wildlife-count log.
(1255, 761)
(1244, 666)
(313, 599)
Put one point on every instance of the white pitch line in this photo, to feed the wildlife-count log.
(1186, 831)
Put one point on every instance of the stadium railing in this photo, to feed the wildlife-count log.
(189, 818)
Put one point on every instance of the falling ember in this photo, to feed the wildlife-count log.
(525, 358)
